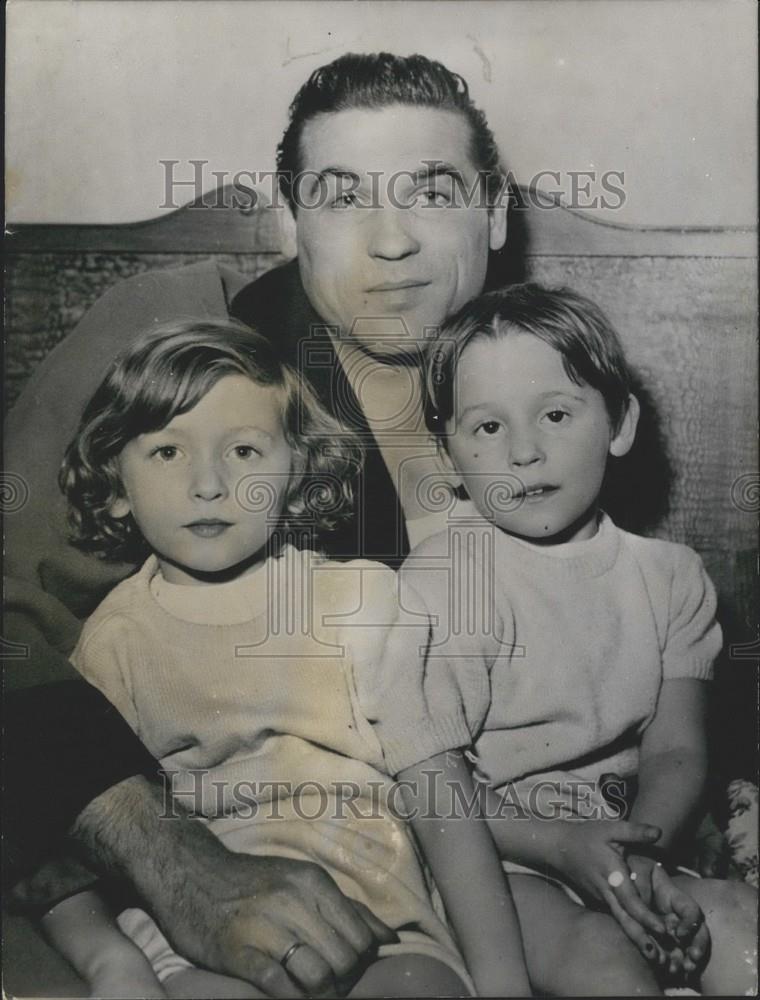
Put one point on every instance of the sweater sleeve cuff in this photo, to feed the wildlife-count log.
(421, 741)
(700, 670)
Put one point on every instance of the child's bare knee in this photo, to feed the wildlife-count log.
(724, 899)
(596, 930)
(409, 976)
(609, 961)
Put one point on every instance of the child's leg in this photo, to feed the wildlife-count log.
(572, 951)
(730, 910)
(198, 984)
(397, 976)
(409, 976)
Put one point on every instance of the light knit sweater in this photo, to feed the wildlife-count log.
(257, 697)
(557, 654)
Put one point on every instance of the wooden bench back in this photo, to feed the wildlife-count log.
(684, 302)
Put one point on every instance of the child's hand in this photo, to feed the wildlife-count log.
(592, 859)
(686, 943)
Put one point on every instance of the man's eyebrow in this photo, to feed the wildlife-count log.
(436, 168)
(332, 171)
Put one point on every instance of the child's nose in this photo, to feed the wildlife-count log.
(524, 449)
(208, 482)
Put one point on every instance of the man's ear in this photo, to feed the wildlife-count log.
(497, 227)
(626, 434)
(120, 507)
(286, 229)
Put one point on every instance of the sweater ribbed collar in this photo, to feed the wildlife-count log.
(584, 559)
(231, 603)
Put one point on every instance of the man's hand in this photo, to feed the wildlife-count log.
(245, 918)
(233, 913)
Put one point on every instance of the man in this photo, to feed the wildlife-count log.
(397, 191)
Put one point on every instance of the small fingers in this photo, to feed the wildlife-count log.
(676, 961)
(626, 895)
(673, 926)
(628, 832)
(688, 918)
(699, 949)
(683, 914)
(633, 930)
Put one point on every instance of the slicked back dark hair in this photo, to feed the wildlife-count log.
(381, 80)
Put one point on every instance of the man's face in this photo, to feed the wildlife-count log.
(399, 234)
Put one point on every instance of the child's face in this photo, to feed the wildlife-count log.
(195, 488)
(530, 445)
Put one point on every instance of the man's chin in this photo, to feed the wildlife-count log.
(403, 353)
(399, 339)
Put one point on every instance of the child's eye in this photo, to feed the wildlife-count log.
(557, 416)
(244, 451)
(488, 427)
(166, 452)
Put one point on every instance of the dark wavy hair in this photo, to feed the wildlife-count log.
(570, 323)
(165, 373)
(379, 80)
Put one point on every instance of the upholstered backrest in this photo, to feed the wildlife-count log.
(684, 302)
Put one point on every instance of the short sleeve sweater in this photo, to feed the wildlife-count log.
(558, 653)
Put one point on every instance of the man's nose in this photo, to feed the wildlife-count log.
(391, 233)
(208, 481)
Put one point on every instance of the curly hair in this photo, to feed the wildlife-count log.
(570, 323)
(380, 80)
(166, 372)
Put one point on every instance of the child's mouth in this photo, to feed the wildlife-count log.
(209, 528)
(538, 493)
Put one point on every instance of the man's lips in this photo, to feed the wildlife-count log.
(208, 527)
(398, 286)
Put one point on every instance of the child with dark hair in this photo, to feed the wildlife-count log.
(252, 668)
(582, 655)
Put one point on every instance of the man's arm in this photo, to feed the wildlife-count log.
(64, 744)
(234, 913)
